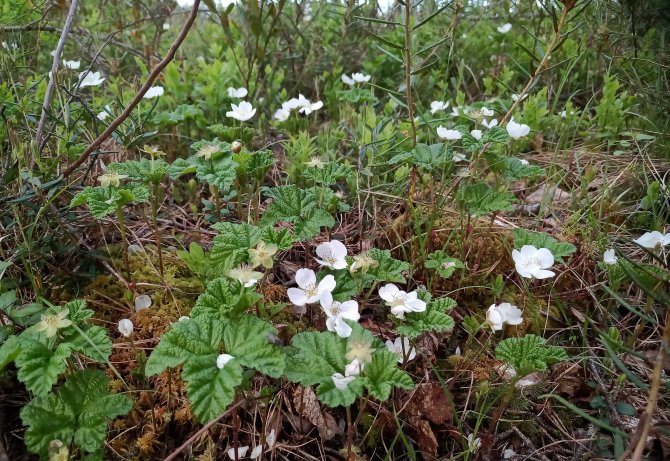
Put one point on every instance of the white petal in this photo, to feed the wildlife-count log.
(305, 277)
(142, 302)
(222, 360)
(388, 291)
(516, 256)
(342, 329)
(256, 452)
(341, 382)
(415, 305)
(271, 438)
(528, 251)
(545, 257)
(399, 311)
(543, 274)
(326, 300)
(327, 283)
(241, 452)
(297, 296)
(349, 310)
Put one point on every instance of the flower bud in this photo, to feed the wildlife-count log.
(125, 327)
(236, 147)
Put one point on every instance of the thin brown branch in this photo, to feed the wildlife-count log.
(54, 68)
(202, 430)
(140, 94)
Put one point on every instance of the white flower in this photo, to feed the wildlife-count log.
(401, 302)
(354, 368)
(105, 113)
(166, 26)
(125, 327)
(532, 262)
(222, 360)
(241, 451)
(609, 257)
(142, 302)
(359, 77)
(243, 112)
(342, 382)
(363, 261)
(517, 130)
(294, 103)
(316, 162)
(504, 28)
(245, 275)
(309, 291)
(111, 179)
(436, 106)
(87, 78)
(337, 312)
(477, 134)
(474, 443)
(311, 107)
(237, 92)
(486, 112)
(653, 239)
(51, 323)
(509, 453)
(282, 115)
(271, 438)
(523, 161)
(348, 80)
(455, 111)
(490, 124)
(332, 254)
(451, 135)
(400, 346)
(153, 92)
(183, 318)
(497, 315)
(74, 65)
(13, 46)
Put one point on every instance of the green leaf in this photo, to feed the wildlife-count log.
(93, 342)
(210, 389)
(39, 367)
(196, 337)
(434, 318)
(542, 240)
(141, 170)
(383, 374)
(9, 350)
(78, 311)
(103, 201)
(443, 264)
(225, 298)
(78, 412)
(388, 269)
(470, 143)
(496, 134)
(479, 199)
(512, 169)
(283, 238)
(429, 157)
(197, 342)
(529, 354)
(231, 246)
(327, 175)
(180, 167)
(297, 206)
(217, 172)
(247, 339)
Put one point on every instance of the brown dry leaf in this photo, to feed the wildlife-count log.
(551, 194)
(424, 435)
(433, 403)
(307, 405)
(568, 377)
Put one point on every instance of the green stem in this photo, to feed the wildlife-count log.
(157, 234)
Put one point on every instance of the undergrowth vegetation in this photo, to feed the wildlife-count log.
(334, 230)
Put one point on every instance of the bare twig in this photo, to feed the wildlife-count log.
(54, 68)
(653, 391)
(140, 94)
(202, 430)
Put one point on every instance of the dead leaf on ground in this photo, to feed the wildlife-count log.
(424, 436)
(550, 194)
(307, 405)
(433, 403)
